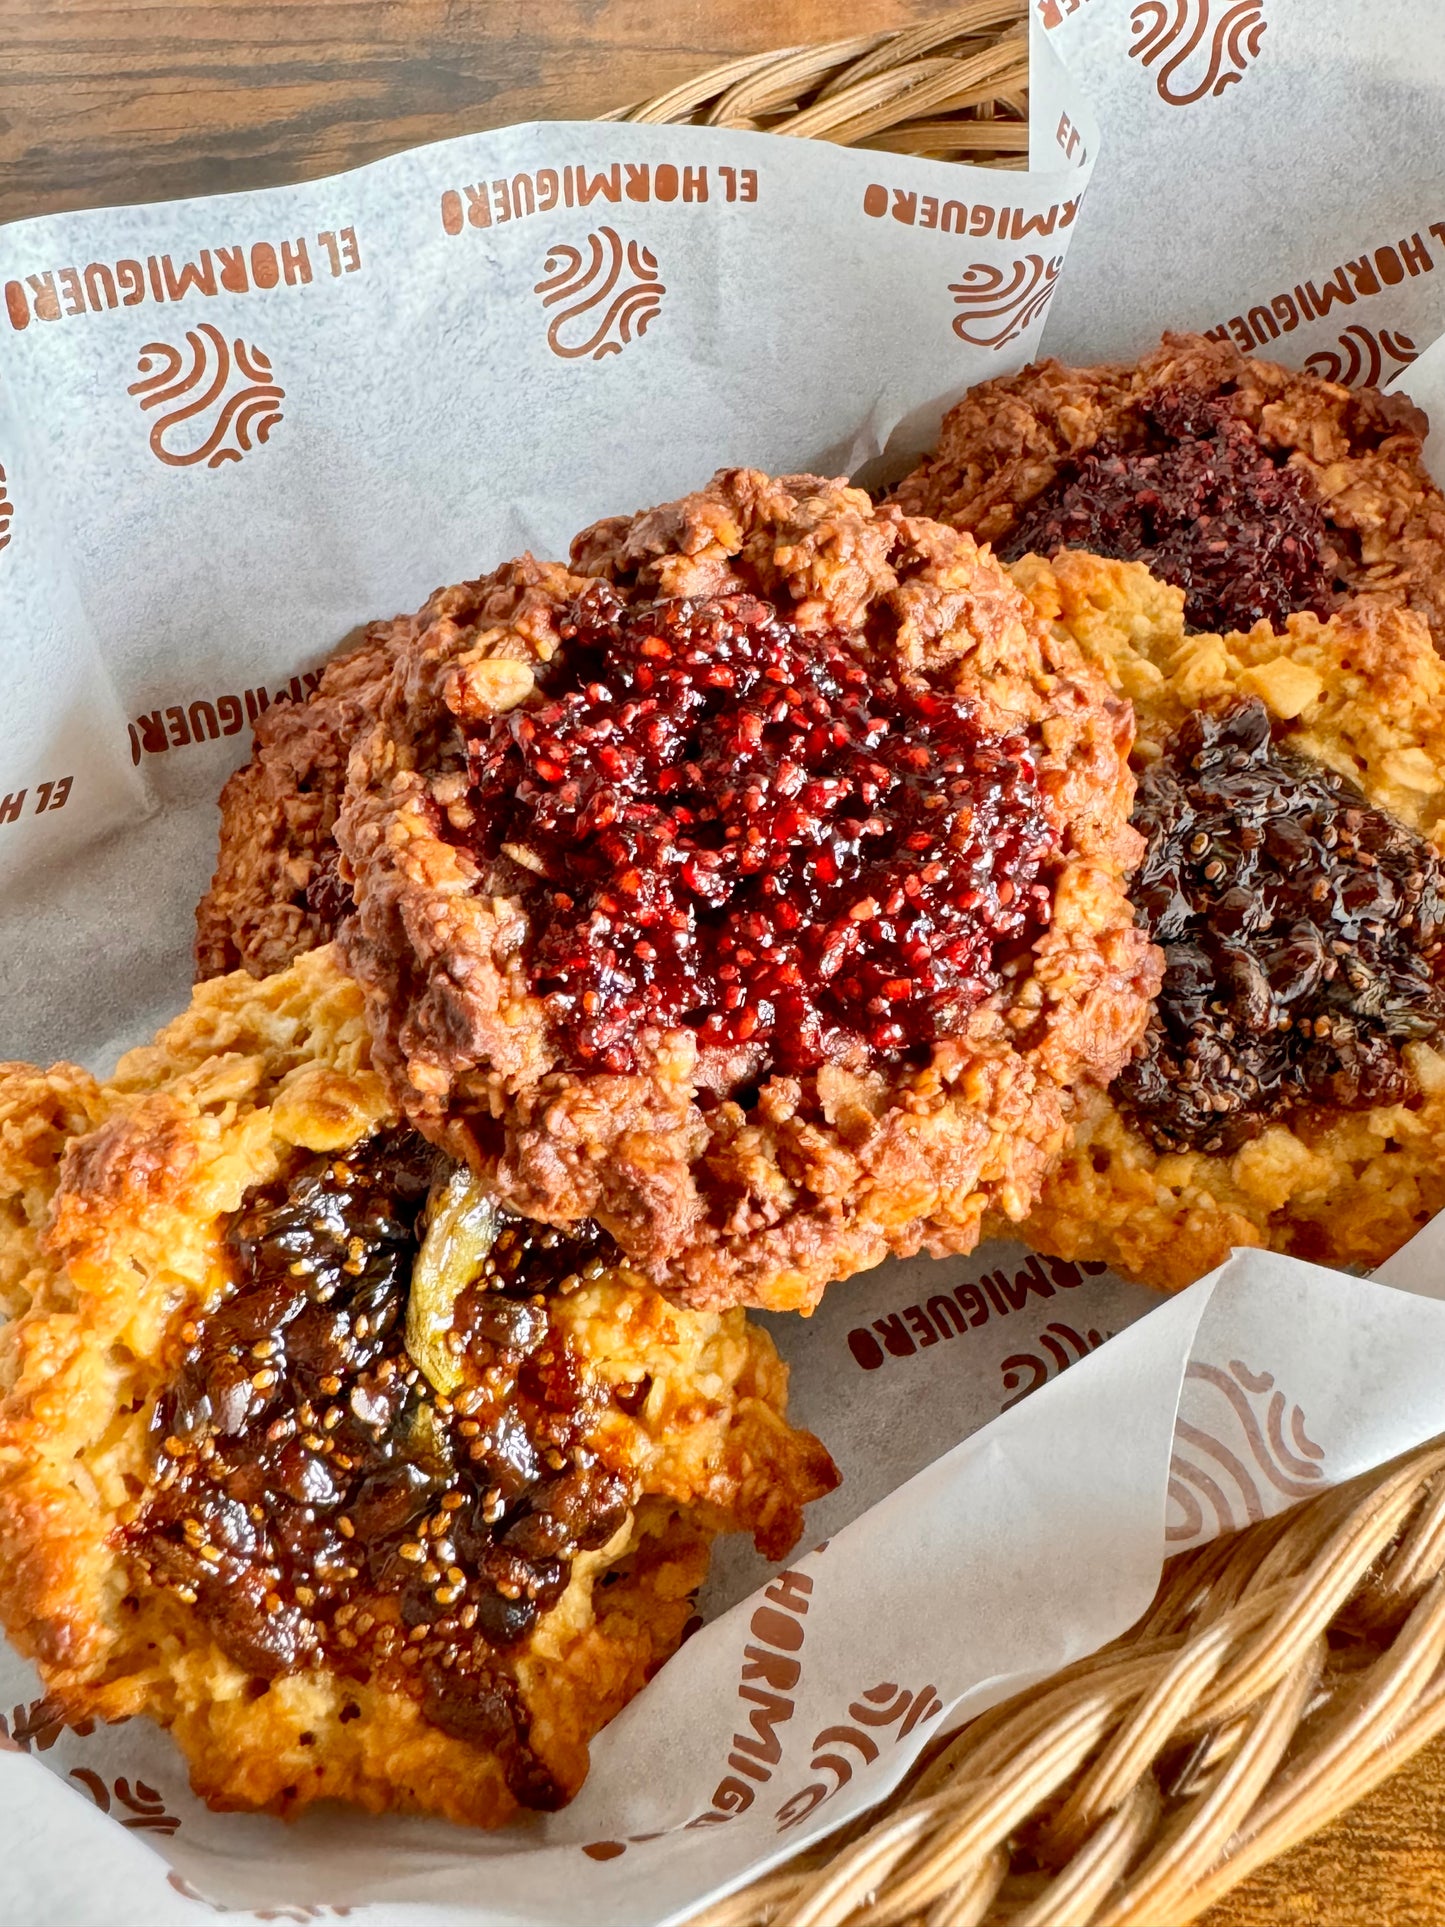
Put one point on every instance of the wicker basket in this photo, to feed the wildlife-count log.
(1281, 1672)
(954, 90)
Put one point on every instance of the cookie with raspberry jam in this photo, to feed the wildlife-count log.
(755, 887)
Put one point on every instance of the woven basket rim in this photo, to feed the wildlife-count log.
(924, 89)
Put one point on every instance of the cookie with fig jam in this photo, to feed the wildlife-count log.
(1259, 490)
(312, 1452)
(1290, 1089)
(755, 888)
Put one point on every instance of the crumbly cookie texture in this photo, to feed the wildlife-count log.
(115, 1200)
(275, 893)
(722, 1181)
(1364, 695)
(1358, 452)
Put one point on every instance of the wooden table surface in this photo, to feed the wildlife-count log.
(104, 101)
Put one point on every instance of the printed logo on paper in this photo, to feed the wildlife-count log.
(1223, 1473)
(606, 294)
(1059, 1347)
(1371, 273)
(38, 1726)
(848, 1745)
(998, 304)
(218, 399)
(7, 512)
(1362, 358)
(1053, 13)
(178, 725)
(138, 1807)
(1200, 46)
(998, 1294)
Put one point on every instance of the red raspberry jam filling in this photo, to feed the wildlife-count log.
(724, 822)
(317, 1501)
(1204, 504)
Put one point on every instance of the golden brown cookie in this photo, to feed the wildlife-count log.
(1260, 490)
(361, 1488)
(756, 887)
(1338, 1152)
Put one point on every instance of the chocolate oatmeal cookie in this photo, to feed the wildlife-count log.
(1290, 1090)
(754, 888)
(364, 1488)
(1260, 491)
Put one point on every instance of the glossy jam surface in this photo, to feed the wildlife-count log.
(319, 1503)
(726, 823)
(1301, 930)
(1205, 505)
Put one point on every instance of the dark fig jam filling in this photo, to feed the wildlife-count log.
(1301, 930)
(724, 822)
(1204, 504)
(319, 1502)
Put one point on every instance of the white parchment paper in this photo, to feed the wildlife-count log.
(1021, 1444)
(1270, 168)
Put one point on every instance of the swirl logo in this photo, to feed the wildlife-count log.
(1059, 1346)
(999, 303)
(138, 1807)
(861, 1734)
(1361, 358)
(1236, 1460)
(225, 394)
(1174, 32)
(7, 512)
(602, 300)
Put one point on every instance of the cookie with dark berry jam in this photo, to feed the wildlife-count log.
(1290, 1089)
(1261, 491)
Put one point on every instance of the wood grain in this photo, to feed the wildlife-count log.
(121, 102)
(1382, 1864)
(125, 102)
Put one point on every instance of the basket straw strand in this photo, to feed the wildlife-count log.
(897, 50)
(950, 88)
(1278, 1676)
(934, 84)
(776, 88)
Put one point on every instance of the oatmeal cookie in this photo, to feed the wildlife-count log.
(1260, 491)
(1291, 1089)
(755, 888)
(361, 1487)
(276, 893)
